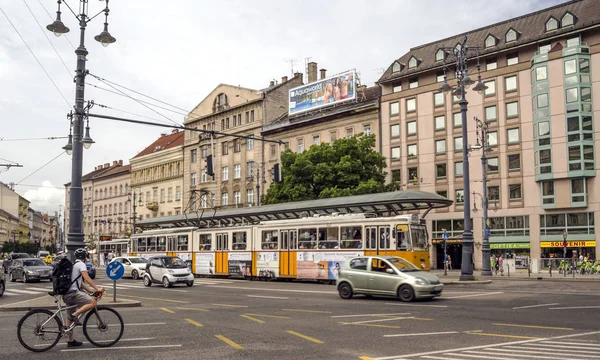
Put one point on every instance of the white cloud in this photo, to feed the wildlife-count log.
(46, 198)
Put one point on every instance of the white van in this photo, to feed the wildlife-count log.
(42, 254)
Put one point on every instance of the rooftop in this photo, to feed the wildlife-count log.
(165, 141)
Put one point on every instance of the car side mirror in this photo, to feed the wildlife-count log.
(390, 271)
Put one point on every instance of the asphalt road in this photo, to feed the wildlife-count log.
(236, 319)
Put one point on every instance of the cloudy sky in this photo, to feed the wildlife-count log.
(178, 51)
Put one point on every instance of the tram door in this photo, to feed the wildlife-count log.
(378, 240)
(287, 259)
(221, 254)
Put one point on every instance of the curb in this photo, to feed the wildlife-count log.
(47, 307)
(471, 282)
(553, 279)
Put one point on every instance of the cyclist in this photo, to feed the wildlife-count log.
(75, 296)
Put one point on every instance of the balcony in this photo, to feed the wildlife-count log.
(152, 206)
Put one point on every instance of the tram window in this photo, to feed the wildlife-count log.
(269, 240)
(222, 241)
(151, 244)
(308, 239)
(293, 240)
(141, 244)
(328, 238)
(172, 240)
(371, 237)
(182, 243)
(205, 242)
(352, 237)
(402, 237)
(284, 240)
(419, 236)
(161, 244)
(239, 240)
(134, 246)
(384, 237)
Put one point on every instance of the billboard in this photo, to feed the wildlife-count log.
(324, 92)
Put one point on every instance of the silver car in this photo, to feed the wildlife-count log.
(134, 266)
(388, 276)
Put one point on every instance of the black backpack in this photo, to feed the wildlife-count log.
(61, 276)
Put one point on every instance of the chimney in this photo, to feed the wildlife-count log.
(271, 83)
(115, 163)
(323, 73)
(163, 135)
(174, 131)
(106, 166)
(312, 71)
(283, 79)
(298, 74)
(120, 162)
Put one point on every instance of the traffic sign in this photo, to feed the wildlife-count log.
(445, 236)
(487, 232)
(115, 271)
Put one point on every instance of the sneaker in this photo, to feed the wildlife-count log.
(74, 320)
(74, 343)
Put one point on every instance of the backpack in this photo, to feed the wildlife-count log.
(61, 276)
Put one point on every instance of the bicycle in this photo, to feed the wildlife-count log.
(48, 328)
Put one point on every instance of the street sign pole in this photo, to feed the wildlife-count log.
(115, 271)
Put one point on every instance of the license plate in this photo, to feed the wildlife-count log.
(181, 280)
(437, 288)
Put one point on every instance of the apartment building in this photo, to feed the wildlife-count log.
(541, 107)
(17, 206)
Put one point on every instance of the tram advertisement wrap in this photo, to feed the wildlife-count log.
(205, 263)
(322, 265)
(240, 263)
(267, 264)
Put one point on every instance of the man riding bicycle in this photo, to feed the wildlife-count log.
(77, 297)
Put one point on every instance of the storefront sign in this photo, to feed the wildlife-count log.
(559, 244)
(509, 245)
(449, 241)
(521, 262)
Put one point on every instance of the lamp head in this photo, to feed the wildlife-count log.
(480, 87)
(105, 38)
(69, 147)
(446, 88)
(87, 140)
(467, 81)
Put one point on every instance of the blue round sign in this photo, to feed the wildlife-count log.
(115, 270)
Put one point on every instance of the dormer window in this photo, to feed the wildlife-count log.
(220, 103)
(551, 24)
(567, 19)
(413, 62)
(440, 55)
(457, 48)
(490, 41)
(511, 35)
(396, 67)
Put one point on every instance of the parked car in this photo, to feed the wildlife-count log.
(134, 266)
(9, 259)
(48, 259)
(387, 276)
(29, 269)
(2, 283)
(167, 270)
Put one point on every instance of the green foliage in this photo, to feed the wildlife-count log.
(349, 166)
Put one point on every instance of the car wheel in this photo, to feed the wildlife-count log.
(166, 282)
(190, 283)
(406, 293)
(147, 281)
(135, 275)
(1, 288)
(345, 291)
(11, 277)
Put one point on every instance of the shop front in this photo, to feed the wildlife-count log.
(453, 249)
(555, 249)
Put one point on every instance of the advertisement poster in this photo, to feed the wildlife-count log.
(240, 264)
(267, 264)
(205, 263)
(185, 256)
(324, 92)
(322, 265)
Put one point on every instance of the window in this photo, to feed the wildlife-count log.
(584, 66)
(544, 49)
(577, 190)
(411, 128)
(491, 64)
(413, 83)
(512, 109)
(490, 41)
(396, 175)
(586, 94)
(170, 194)
(492, 165)
(237, 171)
(493, 138)
(395, 131)
(440, 122)
(367, 129)
(316, 139)
(510, 83)
(439, 55)
(251, 115)
(511, 35)
(300, 146)
(567, 20)
(250, 169)
(491, 88)
(460, 197)
(570, 66)
(237, 198)
(396, 87)
(438, 99)
(247, 117)
(572, 95)
(412, 62)
(349, 132)
(224, 199)
(542, 101)
(551, 24)
(413, 174)
(458, 168)
(490, 113)
(493, 193)
(234, 120)
(249, 144)
(155, 192)
(439, 77)
(203, 155)
(541, 73)
(441, 170)
(457, 119)
(514, 192)
(513, 136)
(162, 195)
(193, 179)
(226, 123)
(396, 67)
(548, 192)
(396, 153)
(394, 108)
(458, 143)
(359, 264)
(225, 148)
(411, 150)
(512, 59)
(193, 154)
(177, 193)
(440, 146)
(225, 173)
(411, 105)
(250, 196)
(514, 162)
(545, 161)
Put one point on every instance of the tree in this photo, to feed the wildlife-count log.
(349, 166)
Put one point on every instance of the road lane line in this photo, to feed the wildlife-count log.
(39, 289)
(194, 322)
(7, 293)
(481, 355)
(270, 316)
(503, 335)
(380, 320)
(544, 354)
(308, 311)
(534, 326)
(193, 309)
(365, 358)
(20, 302)
(174, 290)
(439, 358)
(268, 289)
(253, 319)
(123, 347)
(534, 306)
(316, 341)
(231, 305)
(422, 334)
(575, 307)
(150, 298)
(402, 304)
(372, 325)
(142, 324)
(577, 344)
(546, 347)
(269, 297)
(229, 342)
(100, 341)
(475, 295)
(25, 292)
(365, 315)
(167, 310)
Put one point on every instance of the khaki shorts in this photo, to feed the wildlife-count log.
(79, 298)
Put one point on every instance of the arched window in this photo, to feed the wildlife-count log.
(121, 189)
(490, 41)
(110, 192)
(413, 62)
(221, 103)
(551, 24)
(511, 35)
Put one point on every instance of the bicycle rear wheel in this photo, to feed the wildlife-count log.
(37, 332)
(103, 326)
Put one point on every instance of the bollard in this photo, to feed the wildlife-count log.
(550, 270)
(528, 270)
(508, 269)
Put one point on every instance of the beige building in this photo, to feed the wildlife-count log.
(18, 206)
(111, 213)
(541, 70)
(231, 110)
(157, 177)
(9, 227)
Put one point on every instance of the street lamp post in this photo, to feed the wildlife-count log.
(135, 195)
(78, 140)
(482, 133)
(464, 81)
(565, 245)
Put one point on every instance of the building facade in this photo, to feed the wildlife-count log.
(18, 206)
(157, 177)
(542, 72)
(9, 227)
(111, 216)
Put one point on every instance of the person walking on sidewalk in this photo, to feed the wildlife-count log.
(493, 263)
(500, 265)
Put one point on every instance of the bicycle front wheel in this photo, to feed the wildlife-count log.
(38, 331)
(103, 326)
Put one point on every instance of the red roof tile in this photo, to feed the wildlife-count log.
(162, 143)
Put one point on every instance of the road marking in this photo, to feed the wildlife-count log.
(533, 306)
(502, 335)
(167, 310)
(279, 290)
(270, 316)
(480, 355)
(7, 293)
(422, 334)
(474, 295)
(551, 348)
(547, 354)
(24, 301)
(231, 305)
(100, 341)
(534, 326)
(364, 315)
(253, 319)
(380, 320)
(194, 322)
(402, 304)
(308, 311)
(268, 297)
(575, 307)
(123, 347)
(575, 344)
(25, 292)
(193, 309)
(316, 341)
(373, 325)
(143, 324)
(39, 289)
(365, 358)
(150, 298)
(174, 290)
(439, 358)
(229, 342)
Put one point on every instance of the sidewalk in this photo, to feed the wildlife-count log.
(453, 277)
(47, 302)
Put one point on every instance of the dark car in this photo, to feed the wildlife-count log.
(29, 269)
(9, 259)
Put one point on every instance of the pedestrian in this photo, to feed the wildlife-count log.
(495, 264)
(449, 262)
(105, 257)
(500, 265)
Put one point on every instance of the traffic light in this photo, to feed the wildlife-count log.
(210, 171)
(277, 173)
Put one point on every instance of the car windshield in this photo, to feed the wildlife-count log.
(137, 260)
(20, 256)
(36, 262)
(174, 263)
(403, 265)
